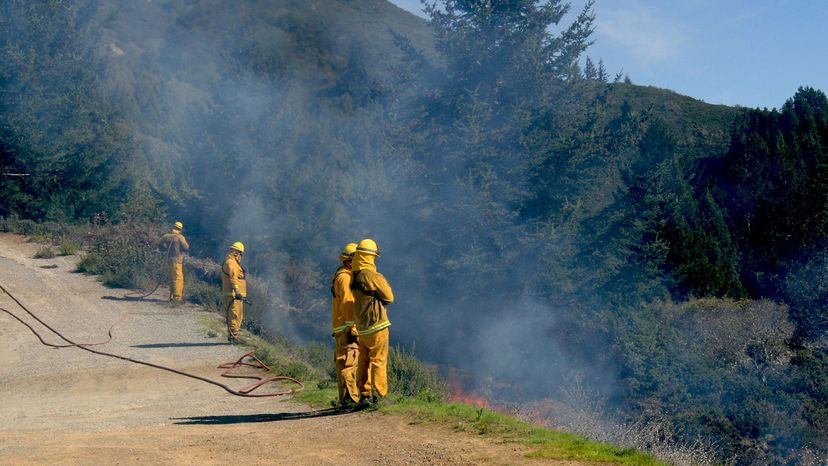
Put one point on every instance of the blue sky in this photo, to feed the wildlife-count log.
(754, 53)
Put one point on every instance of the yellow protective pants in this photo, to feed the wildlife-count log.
(345, 357)
(235, 314)
(175, 268)
(372, 368)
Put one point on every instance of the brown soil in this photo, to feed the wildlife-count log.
(67, 406)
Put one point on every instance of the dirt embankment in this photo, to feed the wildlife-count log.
(67, 406)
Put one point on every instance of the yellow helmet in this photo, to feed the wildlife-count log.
(178, 226)
(347, 251)
(237, 246)
(368, 246)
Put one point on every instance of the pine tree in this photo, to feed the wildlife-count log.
(603, 75)
(590, 73)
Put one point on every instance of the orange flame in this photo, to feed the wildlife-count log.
(457, 394)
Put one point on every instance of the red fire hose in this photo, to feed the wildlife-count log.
(245, 392)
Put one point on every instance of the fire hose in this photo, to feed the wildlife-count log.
(243, 392)
(138, 295)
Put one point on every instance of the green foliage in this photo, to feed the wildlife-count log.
(54, 119)
(205, 293)
(45, 252)
(68, 248)
(772, 184)
(409, 377)
(725, 373)
(125, 256)
(90, 264)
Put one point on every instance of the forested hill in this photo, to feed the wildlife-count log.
(545, 227)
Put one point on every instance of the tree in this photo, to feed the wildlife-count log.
(590, 73)
(602, 75)
(492, 45)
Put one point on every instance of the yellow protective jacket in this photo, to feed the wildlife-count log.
(175, 244)
(232, 277)
(371, 294)
(342, 304)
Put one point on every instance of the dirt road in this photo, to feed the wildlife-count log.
(67, 406)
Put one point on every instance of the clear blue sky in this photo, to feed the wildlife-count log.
(754, 53)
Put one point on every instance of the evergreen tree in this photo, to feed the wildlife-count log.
(590, 73)
(602, 74)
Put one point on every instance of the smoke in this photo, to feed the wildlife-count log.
(283, 125)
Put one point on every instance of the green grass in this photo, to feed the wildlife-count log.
(546, 443)
(320, 395)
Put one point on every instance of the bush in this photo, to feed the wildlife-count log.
(90, 264)
(45, 252)
(409, 377)
(68, 248)
(202, 293)
(126, 256)
(39, 239)
(281, 363)
(320, 356)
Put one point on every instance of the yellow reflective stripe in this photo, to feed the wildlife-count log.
(340, 328)
(375, 328)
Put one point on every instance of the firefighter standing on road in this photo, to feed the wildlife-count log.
(344, 333)
(371, 294)
(234, 290)
(175, 244)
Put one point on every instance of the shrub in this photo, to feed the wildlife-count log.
(280, 363)
(39, 239)
(45, 252)
(409, 377)
(202, 293)
(68, 248)
(320, 356)
(90, 264)
(126, 256)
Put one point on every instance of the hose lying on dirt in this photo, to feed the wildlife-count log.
(138, 295)
(244, 392)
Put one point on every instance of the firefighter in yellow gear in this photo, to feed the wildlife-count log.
(175, 245)
(344, 333)
(372, 294)
(234, 290)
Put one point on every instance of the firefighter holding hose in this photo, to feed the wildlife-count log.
(175, 245)
(234, 290)
(345, 335)
(372, 294)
